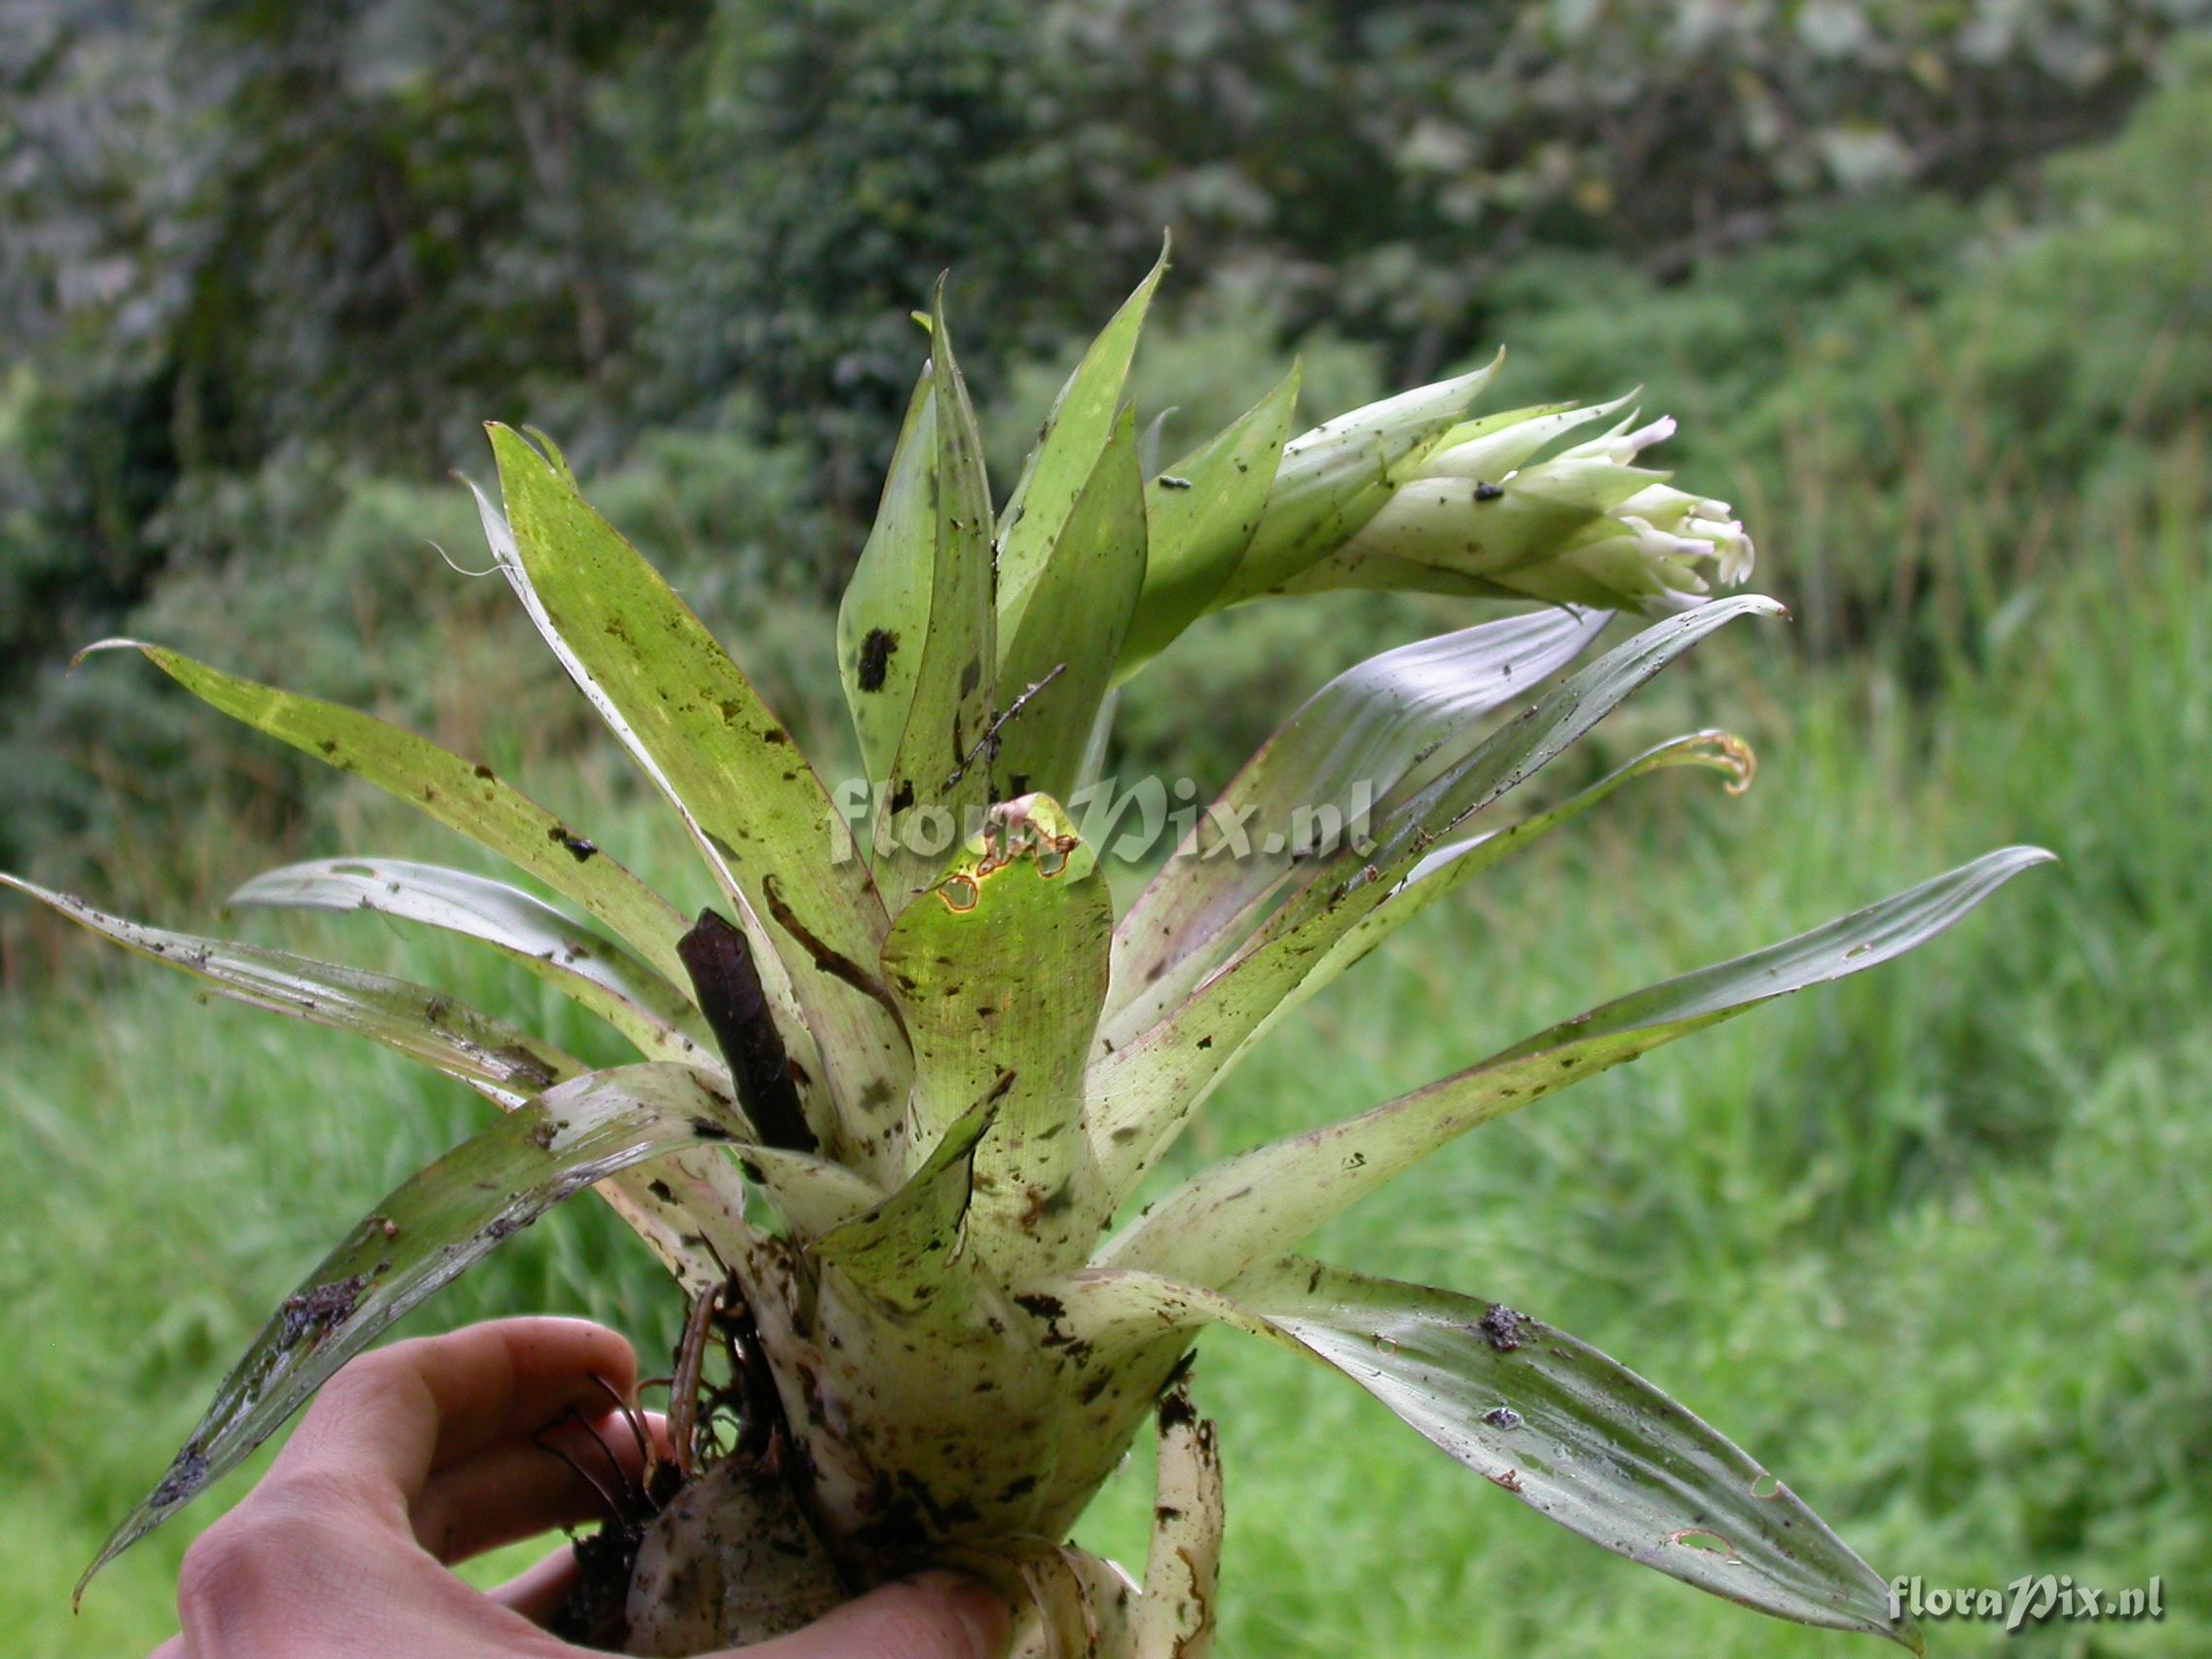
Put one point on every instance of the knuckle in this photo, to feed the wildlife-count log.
(312, 1504)
(258, 1559)
(228, 1573)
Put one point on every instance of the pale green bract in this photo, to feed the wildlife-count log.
(894, 1101)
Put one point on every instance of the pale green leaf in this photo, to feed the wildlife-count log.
(1061, 661)
(425, 1234)
(504, 1063)
(1434, 876)
(1406, 711)
(1580, 1439)
(458, 793)
(596, 971)
(1542, 1417)
(1260, 1203)
(1058, 472)
(885, 615)
(902, 1250)
(1138, 1096)
(940, 778)
(765, 823)
(1200, 516)
(1002, 968)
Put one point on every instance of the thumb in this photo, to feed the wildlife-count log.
(940, 1615)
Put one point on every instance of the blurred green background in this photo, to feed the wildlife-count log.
(1928, 286)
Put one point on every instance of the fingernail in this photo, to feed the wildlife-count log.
(982, 1615)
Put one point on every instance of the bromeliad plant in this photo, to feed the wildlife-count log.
(889, 1104)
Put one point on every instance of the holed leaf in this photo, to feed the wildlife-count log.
(1002, 968)
(425, 1234)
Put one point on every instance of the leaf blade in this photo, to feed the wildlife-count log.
(884, 613)
(1137, 1097)
(1365, 730)
(1626, 1467)
(422, 1235)
(902, 1249)
(1001, 969)
(1201, 515)
(1064, 653)
(1259, 1203)
(764, 822)
(1077, 433)
(459, 794)
(593, 970)
(939, 766)
(497, 1059)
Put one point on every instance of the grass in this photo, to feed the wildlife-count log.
(1934, 1245)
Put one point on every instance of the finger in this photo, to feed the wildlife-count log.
(938, 1615)
(562, 1477)
(540, 1591)
(397, 1414)
(173, 1648)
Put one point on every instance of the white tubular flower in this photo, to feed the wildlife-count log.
(1584, 525)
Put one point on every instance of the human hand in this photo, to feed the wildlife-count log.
(422, 1454)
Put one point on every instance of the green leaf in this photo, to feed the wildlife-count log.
(1002, 968)
(1573, 1434)
(425, 1234)
(1129, 1146)
(1061, 661)
(503, 1064)
(1059, 472)
(1138, 1096)
(764, 822)
(1255, 1205)
(1355, 739)
(458, 793)
(1201, 515)
(507, 1064)
(885, 615)
(939, 779)
(585, 965)
(1448, 868)
(902, 1249)
(1336, 477)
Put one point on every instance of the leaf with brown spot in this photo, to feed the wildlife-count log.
(448, 1217)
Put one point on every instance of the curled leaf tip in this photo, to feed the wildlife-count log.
(1735, 756)
(114, 643)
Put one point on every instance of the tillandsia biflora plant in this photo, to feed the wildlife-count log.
(894, 1095)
